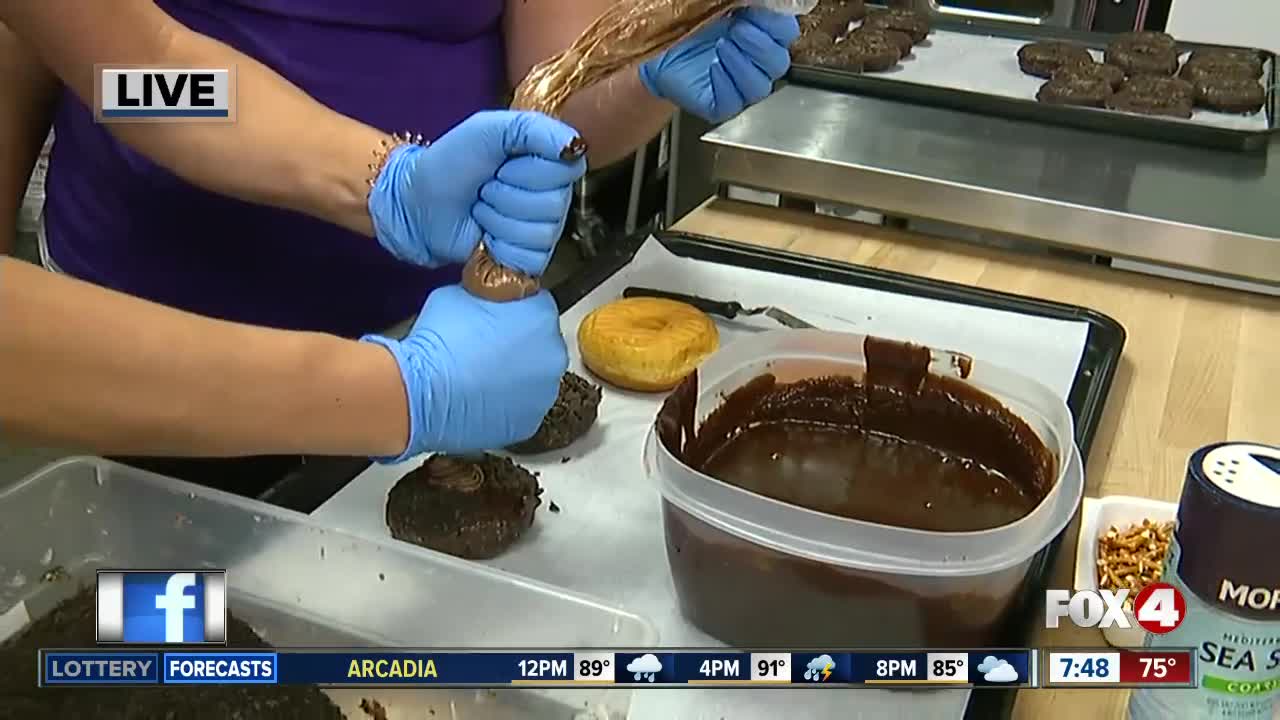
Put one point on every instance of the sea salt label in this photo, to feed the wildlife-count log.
(1222, 561)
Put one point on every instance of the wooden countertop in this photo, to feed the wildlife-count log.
(1200, 366)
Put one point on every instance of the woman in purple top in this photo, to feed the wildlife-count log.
(268, 220)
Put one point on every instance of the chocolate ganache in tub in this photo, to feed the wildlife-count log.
(826, 501)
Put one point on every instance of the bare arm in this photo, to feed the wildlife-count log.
(26, 110)
(98, 369)
(616, 116)
(285, 149)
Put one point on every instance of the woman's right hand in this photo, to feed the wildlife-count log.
(479, 375)
(497, 176)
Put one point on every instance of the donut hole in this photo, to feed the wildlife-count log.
(652, 324)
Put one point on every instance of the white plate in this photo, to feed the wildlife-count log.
(1096, 516)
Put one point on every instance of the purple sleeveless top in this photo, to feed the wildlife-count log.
(118, 220)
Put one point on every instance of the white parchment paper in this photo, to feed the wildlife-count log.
(607, 538)
(989, 65)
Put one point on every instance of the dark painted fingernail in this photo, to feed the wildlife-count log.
(576, 148)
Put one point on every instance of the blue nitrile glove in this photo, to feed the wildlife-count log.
(478, 374)
(726, 66)
(497, 176)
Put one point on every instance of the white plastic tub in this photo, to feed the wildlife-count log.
(1096, 517)
(299, 584)
(803, 577)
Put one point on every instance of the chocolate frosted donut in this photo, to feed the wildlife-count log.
(1154, 96)
(1149, 37)
(900, 40)
(813, 48)
(1159, 85)
(873, 52)
(469, 509)
(1068, 88)
(1113, 75)
(902, 20)
(1226, 61)
(839, 57)
(1142, 57)
(834, 16)
(1043, 58)
(1235, 95)
(809, 22)
(1210, 71)
(570, 418)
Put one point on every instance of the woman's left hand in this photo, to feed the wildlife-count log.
(726, 66)
(498, 176)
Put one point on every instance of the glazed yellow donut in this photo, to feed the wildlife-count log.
(646, 344)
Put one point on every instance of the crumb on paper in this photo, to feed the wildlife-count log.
(1132, 557)
(564, 459)
(596, 712)
(373, 709)
(553, 507)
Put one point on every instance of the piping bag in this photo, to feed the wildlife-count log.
(629, 32)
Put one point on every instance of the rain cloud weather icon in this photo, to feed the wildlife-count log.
(645, 667)
(996, 670)
(819, 668)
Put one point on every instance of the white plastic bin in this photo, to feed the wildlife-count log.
(907, 587)
(299, 584)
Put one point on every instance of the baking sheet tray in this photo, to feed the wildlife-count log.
(606, 539)
(973, 66)
(299, 584)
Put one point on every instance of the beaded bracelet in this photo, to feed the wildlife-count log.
(383, 152)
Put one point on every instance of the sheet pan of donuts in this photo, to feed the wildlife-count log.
(1146, 73)
(848, 35)
(573, 505)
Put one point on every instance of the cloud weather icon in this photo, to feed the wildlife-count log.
(996, 670)
(819, 668)
(645, 667)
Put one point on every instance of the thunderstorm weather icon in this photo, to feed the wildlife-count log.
(645, 667)
(819, 668)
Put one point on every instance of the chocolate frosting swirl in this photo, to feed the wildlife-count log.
(486, 278)
(454, 473)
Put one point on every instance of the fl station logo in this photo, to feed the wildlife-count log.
(1159, 608)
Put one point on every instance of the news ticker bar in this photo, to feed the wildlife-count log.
(1008, 668)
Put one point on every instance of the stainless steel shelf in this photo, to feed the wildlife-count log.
(1179, 206)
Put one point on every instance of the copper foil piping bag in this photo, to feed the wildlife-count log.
(627, 33)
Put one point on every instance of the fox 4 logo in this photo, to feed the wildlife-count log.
(1159, 608)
